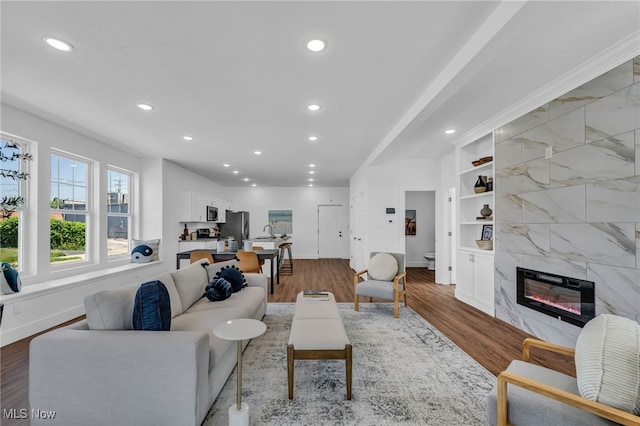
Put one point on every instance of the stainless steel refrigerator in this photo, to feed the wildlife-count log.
(236, 225)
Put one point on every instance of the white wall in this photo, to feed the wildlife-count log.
(61, 293)
(60, 296)
(386, 186)
(176, 182)
(424, 203)
(303, 202)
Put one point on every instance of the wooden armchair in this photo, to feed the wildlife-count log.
(392, 289)
(555, 399)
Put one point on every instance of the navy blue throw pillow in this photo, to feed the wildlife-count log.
(217, 290)
(152, 308)
(10, 279)
(234, 276)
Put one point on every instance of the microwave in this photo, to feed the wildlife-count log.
(212, 214)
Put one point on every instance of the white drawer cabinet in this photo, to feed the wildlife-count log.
(474, 280)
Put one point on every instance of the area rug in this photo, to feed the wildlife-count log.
(405, 372)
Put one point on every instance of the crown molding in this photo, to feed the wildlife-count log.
(624, 50)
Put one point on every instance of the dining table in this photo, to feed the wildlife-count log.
(272, 255)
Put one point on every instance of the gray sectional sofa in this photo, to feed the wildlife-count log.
(102, 372)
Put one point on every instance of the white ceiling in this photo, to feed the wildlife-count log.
(237, 76)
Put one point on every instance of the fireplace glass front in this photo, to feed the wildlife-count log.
(568, 299)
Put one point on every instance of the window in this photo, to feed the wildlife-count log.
(13, 172)
(70, 195)
(118, 212)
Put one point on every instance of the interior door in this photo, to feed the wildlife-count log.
(330, 232)
(361, 241)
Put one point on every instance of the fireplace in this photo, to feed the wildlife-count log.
(568, 299)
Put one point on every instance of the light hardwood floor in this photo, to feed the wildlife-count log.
(489, 341)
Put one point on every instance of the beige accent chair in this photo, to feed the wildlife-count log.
(390, 290)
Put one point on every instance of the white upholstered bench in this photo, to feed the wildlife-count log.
(317, 332)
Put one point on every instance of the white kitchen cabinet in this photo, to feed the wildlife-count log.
(222, 206)
(197, 245)
(194, 207)
(474, 280)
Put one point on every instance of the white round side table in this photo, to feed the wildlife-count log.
(239, 330)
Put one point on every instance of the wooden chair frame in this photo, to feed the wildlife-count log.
(593, 407)
(293, 354)
(396, 293)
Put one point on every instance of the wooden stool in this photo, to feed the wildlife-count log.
(285, 267)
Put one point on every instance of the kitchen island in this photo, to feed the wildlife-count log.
(269, 242)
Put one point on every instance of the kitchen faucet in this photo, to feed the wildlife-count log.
(270, 229)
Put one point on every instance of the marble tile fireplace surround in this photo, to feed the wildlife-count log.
(568, 199)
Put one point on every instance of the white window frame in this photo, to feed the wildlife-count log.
(129, 215)
(90, 256)
(23, 190)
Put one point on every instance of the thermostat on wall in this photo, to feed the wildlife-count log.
(391, 210)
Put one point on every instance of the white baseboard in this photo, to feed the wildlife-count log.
(26, 330)
(417, 264)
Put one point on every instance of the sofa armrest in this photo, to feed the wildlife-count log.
(83, 375)
(560, 395)
(256, 280)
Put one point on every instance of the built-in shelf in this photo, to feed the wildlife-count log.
(479, 195)
(476, 250)
(480, 168)
(474, 266)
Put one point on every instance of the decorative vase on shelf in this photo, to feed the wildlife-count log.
(486, 211)
(489, 184)
(480, 186)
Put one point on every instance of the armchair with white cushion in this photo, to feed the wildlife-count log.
(605, 391)
(386, 280)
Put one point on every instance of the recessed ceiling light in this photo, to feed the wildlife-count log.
(257, 152)
(310, 184)
(312, 165)
(450, 131)
(313, 107)
(253, 184)
(311, 172)
(310, 179)
(235, 172)
(246, 179)
(187, 138)
(58, 44)
(313, 138)
(145, 107)
(316, 45)
(226, 165)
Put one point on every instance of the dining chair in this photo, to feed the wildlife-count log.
(248, 262)
(198, 255)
